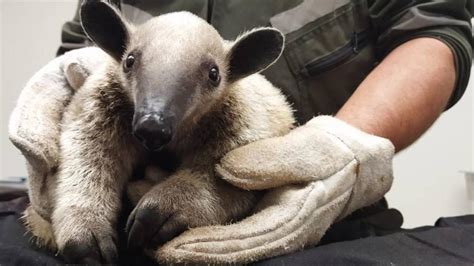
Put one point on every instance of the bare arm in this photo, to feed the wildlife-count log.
(405, 94)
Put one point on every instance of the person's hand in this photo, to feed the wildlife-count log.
(35, 119)
(35, 122)
(317, 174)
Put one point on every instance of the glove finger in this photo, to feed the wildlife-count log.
(75, 75)
(35, 122)
(290, 217)
(305, 154)
(79, 64)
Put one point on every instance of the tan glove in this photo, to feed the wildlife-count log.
(318, 174)
(35, 122)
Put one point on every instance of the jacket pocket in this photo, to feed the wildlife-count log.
(320, 65)
(329, 58)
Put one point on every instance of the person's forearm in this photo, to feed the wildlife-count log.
(405, 93)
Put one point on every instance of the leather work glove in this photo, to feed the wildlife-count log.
(317, 174)
(36, 120)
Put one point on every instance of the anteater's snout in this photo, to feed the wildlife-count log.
(153, 131)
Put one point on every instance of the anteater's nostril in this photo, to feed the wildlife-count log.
(152, 131)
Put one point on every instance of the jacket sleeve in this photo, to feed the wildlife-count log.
(72, 34)
(397, 21)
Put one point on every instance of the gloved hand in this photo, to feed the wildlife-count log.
(35, 122)
(318, 174)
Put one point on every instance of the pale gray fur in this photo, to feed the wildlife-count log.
(98, 153)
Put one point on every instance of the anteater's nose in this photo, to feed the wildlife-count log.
(153, 131)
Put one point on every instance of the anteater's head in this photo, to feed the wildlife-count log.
(175, 66)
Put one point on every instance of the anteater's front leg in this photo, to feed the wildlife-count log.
(188, 198)
(96, 160)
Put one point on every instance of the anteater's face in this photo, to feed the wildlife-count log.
(175, 66)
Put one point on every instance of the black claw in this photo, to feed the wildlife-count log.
(130, 221)
(142, 226)
(171, 228)
(108, 250)
(135, 236)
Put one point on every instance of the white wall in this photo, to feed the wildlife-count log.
(30, 35)
(428, 183)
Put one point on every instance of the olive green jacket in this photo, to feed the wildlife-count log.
(331, 46)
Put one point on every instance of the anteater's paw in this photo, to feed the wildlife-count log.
(169, 209)
(152, 224)
(85, 238)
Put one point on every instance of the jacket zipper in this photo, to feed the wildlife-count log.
(354, 46)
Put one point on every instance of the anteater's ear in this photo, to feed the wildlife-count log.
(254, 52)
(105, 27)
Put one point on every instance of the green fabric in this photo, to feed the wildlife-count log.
(397, 21)
(326, 59)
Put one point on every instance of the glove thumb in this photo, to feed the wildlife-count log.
(306, 154)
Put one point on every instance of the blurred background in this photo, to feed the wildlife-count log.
(429, 178)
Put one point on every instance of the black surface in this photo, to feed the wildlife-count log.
(369, 237)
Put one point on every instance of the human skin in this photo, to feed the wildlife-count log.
(405, 94)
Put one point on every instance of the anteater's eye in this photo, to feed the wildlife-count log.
(128, 63)
(214, 76)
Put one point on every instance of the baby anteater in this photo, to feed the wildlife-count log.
(172, 88)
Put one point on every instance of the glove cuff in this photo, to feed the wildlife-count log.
(373, 154)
